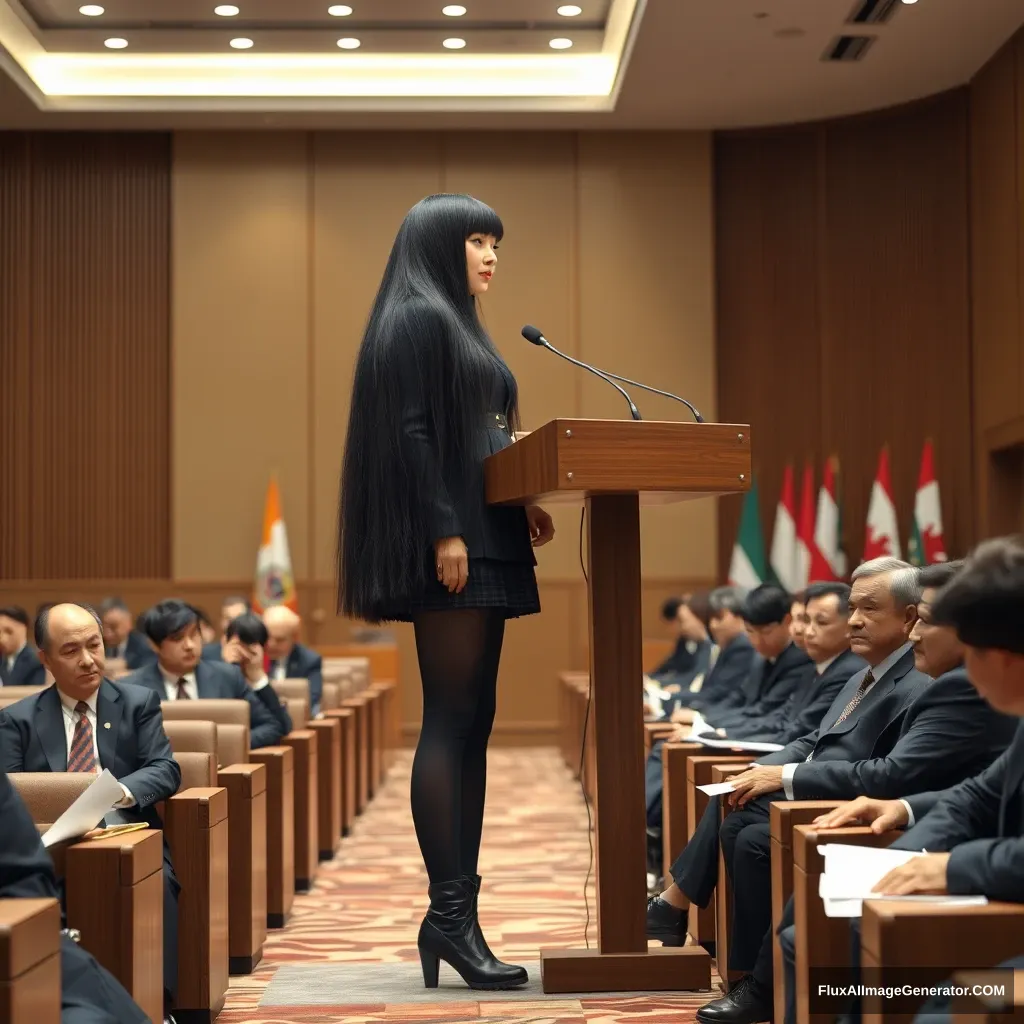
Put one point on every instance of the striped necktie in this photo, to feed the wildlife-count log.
(852, 705)
(182, 692)
(82, 757)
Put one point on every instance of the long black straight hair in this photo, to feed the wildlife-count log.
(423, 312)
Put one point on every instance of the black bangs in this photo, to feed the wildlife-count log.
(483, 220)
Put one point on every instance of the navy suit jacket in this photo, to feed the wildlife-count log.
(134, 749)
(980, 822)
(941, 734)
(303, 663)
(807, 704)
(27, 671)
(726, 676)
(767, 688)
(137, 651)
(211, 651)
(268, 718)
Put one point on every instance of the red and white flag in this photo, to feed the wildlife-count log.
(783, 554)
(828, 560)
(927, 544)
(882, 536)
(806, 549)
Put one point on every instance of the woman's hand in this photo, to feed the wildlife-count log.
(452, 563)
(542, 529)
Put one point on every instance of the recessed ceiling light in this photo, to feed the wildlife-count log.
(910, 1)
(91, 10)
(226, 10)
(349, 44)
(241, 44)
(560, 44)
(339, 10)
(115, 44)
(454, 10)
(454, 44)
(570, 10)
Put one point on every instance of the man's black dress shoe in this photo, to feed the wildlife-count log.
(747, 1002)
(665, 922)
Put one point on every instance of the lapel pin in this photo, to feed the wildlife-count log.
(106, 725)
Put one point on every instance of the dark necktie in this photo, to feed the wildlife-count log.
(182, 692)
(82, 757)
(852, 705)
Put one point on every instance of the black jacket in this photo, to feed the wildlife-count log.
(807, 704)
(137, 652)
(134, 748)
(767, 688)
(729, 672)
(26, 872)
(27, 671)
(981, 823)
(268, 717)
(454, 498)
(910, 733)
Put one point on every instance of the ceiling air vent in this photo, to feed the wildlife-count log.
(849, 48)
(872, 12)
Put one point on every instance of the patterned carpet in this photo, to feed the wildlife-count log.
(367, 904)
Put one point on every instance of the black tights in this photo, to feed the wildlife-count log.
(458, 652)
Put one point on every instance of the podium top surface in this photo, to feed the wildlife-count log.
(569, 459)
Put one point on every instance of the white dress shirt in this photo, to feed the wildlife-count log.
(71, 718)
(878, 672)
(12, 658)
(821, 667)
(279, 670)
(171, 684)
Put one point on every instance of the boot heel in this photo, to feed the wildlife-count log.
(431, 964)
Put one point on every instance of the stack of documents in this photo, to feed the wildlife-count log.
(851, 872)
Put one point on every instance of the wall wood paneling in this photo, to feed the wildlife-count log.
(84, 354)
(843, 305)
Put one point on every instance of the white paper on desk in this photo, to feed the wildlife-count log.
(717, 788)
(87, 811)
(699, 727)
(748, 746)
(854, 908)
(851, 872)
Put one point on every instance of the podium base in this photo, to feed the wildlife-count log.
(664, 969)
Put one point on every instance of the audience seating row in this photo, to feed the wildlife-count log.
(272, 814)
(894, 936)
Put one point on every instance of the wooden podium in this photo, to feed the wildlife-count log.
(614, 465)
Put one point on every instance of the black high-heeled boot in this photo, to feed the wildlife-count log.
(449, 932)
(481, 942)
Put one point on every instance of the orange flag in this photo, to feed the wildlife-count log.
(274, 581)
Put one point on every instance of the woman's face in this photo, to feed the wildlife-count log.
(481, 258)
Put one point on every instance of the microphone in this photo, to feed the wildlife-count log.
(534, 336)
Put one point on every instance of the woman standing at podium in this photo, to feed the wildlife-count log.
(432, 398)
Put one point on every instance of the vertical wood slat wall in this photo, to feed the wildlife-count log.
(84, 355)
(843, 307)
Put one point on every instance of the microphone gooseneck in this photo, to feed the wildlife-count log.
(534, 336)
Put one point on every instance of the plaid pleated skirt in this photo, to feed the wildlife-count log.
(509, 586)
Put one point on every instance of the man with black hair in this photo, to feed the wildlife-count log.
(884, 728)
(19, 664)
(230, 608)
(973, 831)
(778, 672)
(824, 635)
(798, 618)
(85, 723)
(690, 655)
(120, 639)
(179, 673)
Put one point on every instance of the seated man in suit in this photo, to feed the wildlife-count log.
(728, 671)
(19, 664)
(974, 831)
(179, 673)
(798, 618)
(882, 730)
(288, 658)
(690, 656)
(231, 608)
(823, 633)
(782, 666)
(85, 723)
(120, 639)
(89, 993)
